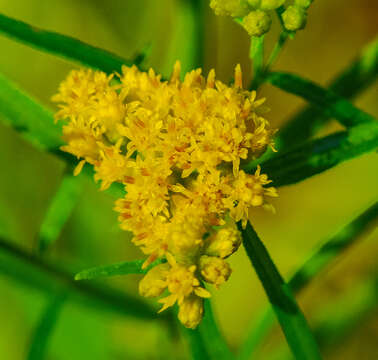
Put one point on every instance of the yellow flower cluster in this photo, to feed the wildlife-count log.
(256, 17)
(176, 146)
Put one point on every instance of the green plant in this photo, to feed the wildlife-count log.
(288, 166)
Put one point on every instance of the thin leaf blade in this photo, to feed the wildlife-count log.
(319, 155)
(323, 257)
(116, 269)
(28, 117)
(290, 317)
(360, 74)
(61, 45)
(332, 104)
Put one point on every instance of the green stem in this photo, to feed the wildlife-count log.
(61, 45)
(256, 54)
(276, 51)
(290, 317)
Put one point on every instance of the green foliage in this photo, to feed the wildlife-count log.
(355, 78)
(332, 104)
(292, 321)
(60, 209)
(318, 155)
(323, 257)
(120, 268)
(29, 118)
(64, 46)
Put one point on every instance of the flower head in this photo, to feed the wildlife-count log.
(176, 146)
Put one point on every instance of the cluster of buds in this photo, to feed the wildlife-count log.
(176, 146)
(256, 14)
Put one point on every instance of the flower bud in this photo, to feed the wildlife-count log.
(271, 4)
(224, 243)
(303, 3)
(294, 18)
(254, 4)
(191, 311)
(153, 283)
(214, 270)
(257, 22)
(229, 7)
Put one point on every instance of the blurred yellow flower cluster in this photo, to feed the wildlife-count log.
(176, 146)
(256, 17)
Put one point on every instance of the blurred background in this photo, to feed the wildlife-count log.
(307, 213)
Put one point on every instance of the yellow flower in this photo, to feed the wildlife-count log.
(191, 311)
(181, 283)
(176, 146)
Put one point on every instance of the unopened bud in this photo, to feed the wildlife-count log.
(229, 7)
(255, 4)
(303, 3)
(191, 311)
(214, 270)
(224, 243)
(257, 22)
(294, 18)
(271, 4)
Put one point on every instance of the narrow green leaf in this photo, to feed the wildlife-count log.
(28, 117)
(61, 45)
(327, 253)
(46, 277)
(60, 209)
(36, 124)
(256, 54)
(214, 342)
(332, 104)
(350, 82)
(290, 317)
(120, 268)
(319, 155)
(45, 328)
(336, 321)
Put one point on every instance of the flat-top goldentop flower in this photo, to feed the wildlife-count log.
(176, 146)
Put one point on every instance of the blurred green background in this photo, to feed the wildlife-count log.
(307, 213)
